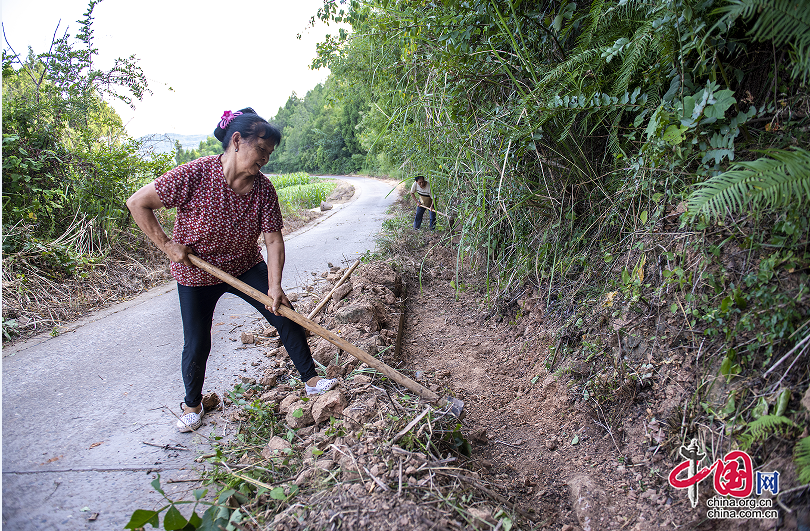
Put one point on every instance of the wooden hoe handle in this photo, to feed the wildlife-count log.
(314, 327)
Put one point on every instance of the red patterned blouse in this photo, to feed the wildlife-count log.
(221, 226)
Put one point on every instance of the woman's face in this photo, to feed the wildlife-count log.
(252, 155)
(420, 182)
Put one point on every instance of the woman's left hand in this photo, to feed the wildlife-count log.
(279, 299)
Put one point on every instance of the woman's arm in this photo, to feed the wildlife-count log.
(142, 205)
(274, 242)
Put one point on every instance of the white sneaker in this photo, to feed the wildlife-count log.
(191, 420)
(323, 385)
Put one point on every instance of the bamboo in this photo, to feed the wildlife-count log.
(345, 276)
(333, 338)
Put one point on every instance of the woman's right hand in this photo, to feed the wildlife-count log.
(178, 253)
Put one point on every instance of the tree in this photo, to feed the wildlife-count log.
(66, 153)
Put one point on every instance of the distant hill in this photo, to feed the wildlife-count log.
(164, 142)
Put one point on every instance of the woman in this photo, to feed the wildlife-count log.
(420, 190)
(224, 203)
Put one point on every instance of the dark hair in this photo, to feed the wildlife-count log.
(419, 177)
(249, 125)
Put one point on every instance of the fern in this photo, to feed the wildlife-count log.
(775, 182)
(780, 21)
(764, 427)
(801, 460)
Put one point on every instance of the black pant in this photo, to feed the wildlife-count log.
(417, 221)
(197, 305)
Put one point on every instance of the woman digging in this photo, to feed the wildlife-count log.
(224, 203)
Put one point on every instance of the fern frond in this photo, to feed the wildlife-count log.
(801, 460)
(780, 21)
(638, 49)
(764, 427)
(776, 182)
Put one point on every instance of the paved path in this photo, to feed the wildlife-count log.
(78, 407)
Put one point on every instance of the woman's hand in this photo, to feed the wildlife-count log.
(279, 299)
(178, 253)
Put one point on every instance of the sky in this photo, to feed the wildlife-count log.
(201, 57)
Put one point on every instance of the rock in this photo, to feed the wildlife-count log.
(361, 411)
(378, 274)
(285, 404)
(335, 371)
(551, 444)
(588, 501)
(327, 405)
(806, 399)
(324, 352)
(275, 447)
(479, 436)
(360, 379)
(299, 415)
(210, 401)
(326, 206)
(358, 313)
(567, 527)
(269, 379)
(325, 464)
(248, 339)
(342, 290)
(482, 518)
(293, 297)
(270, 332)
(305, 476)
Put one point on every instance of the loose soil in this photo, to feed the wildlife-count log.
(540, 453)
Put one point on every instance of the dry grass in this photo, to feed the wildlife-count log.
(38, 297)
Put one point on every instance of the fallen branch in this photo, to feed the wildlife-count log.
(410, 426)
(166, 446)
(325, 300)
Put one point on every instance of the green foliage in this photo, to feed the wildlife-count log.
(762, 428)
(209, 146)
(319, 132)
(306, 195)
(290, 179)
(66, 156)
(778, 181)
(801, 459)
(780, 22)
(219, 514)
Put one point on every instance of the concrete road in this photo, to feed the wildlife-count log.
(77, 408)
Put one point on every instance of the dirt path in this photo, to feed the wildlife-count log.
(542, 448)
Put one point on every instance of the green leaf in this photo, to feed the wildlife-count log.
(761, 409)
(278, 494)
(195, 520)
(729, 368)
(298, 413)
(673, 308)
(224, 495)
(730, 407)
(575, 440)
(782, 402)
(200, 493)
(723, 100)
(674, 134)
(156, 484)
(142, 517)
(643, 217)
(174, 520)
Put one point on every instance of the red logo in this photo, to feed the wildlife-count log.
(733, 475)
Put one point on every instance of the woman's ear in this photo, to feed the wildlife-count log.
(236, 139)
